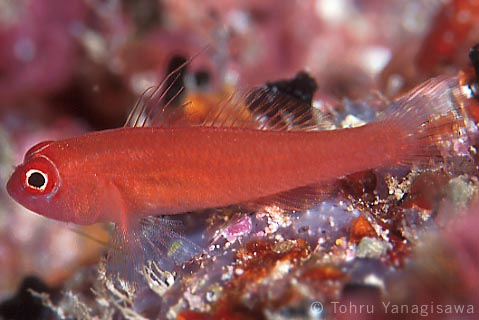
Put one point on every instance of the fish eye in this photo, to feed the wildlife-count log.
(40, 176)
(36, 179)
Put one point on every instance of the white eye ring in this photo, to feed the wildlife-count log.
(30, 173)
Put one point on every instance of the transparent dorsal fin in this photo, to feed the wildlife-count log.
(155, 105)
(265, 108)
(151, 103)
(281, 112)
(262, 108)
(259, 108)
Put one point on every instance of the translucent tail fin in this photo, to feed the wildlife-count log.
(431, 120)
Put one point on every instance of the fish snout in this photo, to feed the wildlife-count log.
(14, 185)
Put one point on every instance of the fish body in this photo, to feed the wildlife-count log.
(168, 167)
(149, 171)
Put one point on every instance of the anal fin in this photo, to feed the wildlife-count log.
(297, 199)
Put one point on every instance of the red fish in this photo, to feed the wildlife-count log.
(160, 165)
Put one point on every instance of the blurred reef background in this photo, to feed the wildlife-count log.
(407, 236)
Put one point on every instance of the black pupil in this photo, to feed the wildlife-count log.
(36, 179)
